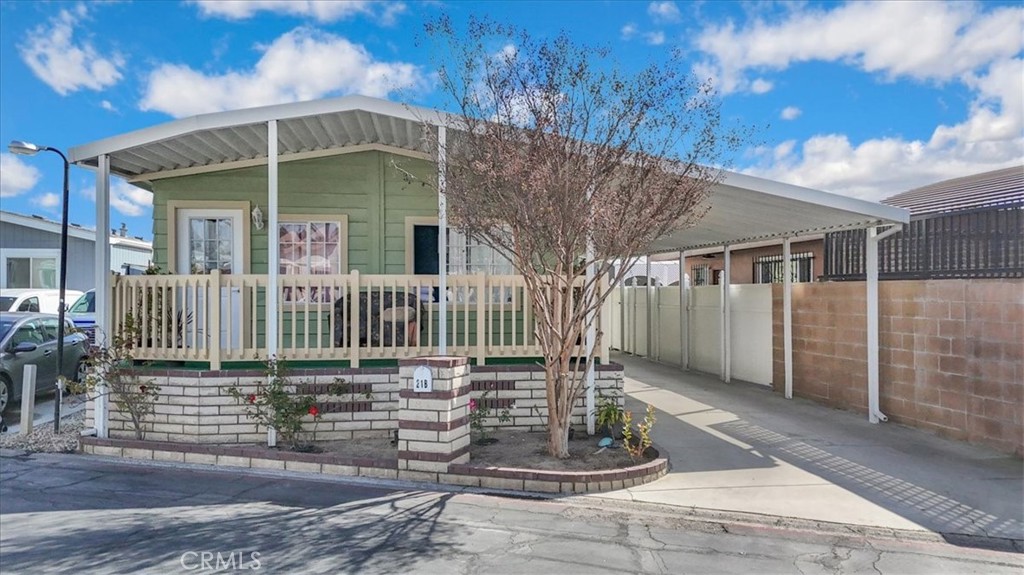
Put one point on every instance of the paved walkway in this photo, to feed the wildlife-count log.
(741, 447)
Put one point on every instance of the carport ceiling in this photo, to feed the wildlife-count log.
(742, 208)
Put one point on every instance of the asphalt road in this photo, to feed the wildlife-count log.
(78, 514)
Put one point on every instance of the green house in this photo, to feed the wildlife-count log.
(274, 228)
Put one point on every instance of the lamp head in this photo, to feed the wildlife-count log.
(23, 148)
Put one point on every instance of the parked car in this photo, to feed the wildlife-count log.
(83, 314)
(35, 300)
(31, 338)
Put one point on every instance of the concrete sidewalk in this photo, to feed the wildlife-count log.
(741, 447)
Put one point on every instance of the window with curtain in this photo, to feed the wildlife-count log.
(310, 248)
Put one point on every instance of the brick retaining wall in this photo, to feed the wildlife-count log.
(195, 406)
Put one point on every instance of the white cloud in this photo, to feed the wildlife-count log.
(66, 66)
(16, 177)
(125, 198)
(655, 38)
(48, 200)
(321, 11)
(949, 40)
(303, 64)
(761, 86)
(988, 139)
(106, 105)
(664, 12)
(790, 113)
(628, 31)
(953, 42)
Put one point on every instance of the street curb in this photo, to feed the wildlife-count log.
(729, 521)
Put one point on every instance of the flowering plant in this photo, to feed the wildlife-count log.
(479, 412)
(276, 404)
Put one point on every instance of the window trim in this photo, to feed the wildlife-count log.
(22, 253)
(172, 228)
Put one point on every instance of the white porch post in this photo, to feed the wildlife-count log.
(684, 321)
(104, 311)
(273, 316)
(787, 315)
(649, 347)
(273, 253)
(726, 318)
(871, 263)
(442, 240)
(591, 338)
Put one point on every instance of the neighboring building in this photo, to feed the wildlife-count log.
(30, 253)
(755, 263)
(961, 228)
(971, 227)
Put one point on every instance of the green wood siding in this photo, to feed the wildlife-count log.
(365, 186)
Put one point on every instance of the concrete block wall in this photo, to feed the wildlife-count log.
(951, 356)
(195, 406)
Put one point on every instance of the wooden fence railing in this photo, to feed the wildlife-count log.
(216, 318)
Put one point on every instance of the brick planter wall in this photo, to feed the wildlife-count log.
(195, 407)
(951, 356)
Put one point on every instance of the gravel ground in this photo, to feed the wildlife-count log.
(43, 439)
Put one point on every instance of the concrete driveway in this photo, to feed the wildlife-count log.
(741, 447)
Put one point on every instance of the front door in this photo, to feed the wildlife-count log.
(209, 240)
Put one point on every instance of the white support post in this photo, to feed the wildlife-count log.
(684, 320)
(726, 319)
(272, 253)
(787, 315)
(649, 347)
(442, 240)
(273, 316)
(102, 275)
(591, 338)
(871, 263)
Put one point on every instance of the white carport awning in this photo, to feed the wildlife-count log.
(745, 209)
(226, 139)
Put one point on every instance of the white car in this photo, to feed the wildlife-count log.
(36, 300)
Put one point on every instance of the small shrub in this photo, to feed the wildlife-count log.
(478, 414)
(276, 404)
(637, 445)
(110, 372)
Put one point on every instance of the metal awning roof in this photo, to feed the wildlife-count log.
(988, 189)
(742, 208)
(746, 209)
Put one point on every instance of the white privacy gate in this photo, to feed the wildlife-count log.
(750, 333)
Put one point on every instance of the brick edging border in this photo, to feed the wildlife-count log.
(468, 475)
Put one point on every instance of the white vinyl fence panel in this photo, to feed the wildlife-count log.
(751, 328)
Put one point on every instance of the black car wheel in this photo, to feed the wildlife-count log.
(5, 394)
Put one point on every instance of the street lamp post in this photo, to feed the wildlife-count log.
(27, 149)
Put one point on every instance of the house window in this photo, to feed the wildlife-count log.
(210, 245)
(768, 269)
(700, 275)
(466, 255)
(36, 269)
(311, 247)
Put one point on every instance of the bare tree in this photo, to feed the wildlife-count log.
(559, 161)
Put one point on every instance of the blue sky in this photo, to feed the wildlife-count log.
(860, 99)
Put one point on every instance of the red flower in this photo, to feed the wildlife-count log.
(472, 405)
(252, 398)
(314, 411)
